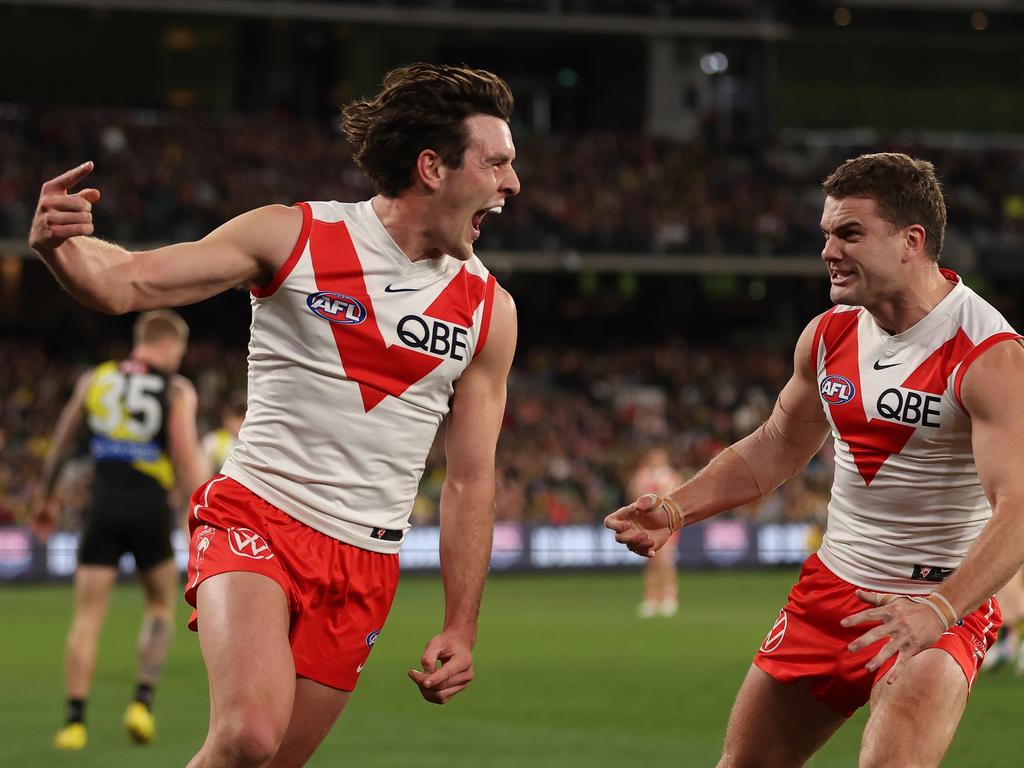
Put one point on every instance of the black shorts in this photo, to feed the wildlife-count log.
(119, 523)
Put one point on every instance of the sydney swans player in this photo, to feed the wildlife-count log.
(370, 320)
(921, 383)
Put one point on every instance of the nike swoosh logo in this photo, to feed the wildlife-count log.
(879, 367)
(360, 668)
(389, 289)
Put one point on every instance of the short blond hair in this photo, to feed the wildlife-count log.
(160, 324)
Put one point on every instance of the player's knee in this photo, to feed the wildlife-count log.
(247, 740)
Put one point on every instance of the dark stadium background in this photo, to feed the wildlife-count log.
(663, 256)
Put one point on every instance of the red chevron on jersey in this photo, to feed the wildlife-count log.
(380, 370)
(872, 441)
(459, 300)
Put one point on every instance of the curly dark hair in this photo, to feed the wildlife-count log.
(422, 106)
(906, 191)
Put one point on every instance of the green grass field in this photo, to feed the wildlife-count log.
(566, 676)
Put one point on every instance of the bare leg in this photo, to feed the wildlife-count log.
(160, 585)
(314, 712)
(913, 720)
(773, 725)
(92, 597)
(667, 580)
(243, 634)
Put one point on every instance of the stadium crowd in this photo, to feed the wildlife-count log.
(174, 176)
(577, 423)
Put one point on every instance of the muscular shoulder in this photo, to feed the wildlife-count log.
(802, 353)
(496, 356)
(994, 383)
(266, 234)
(504, 321)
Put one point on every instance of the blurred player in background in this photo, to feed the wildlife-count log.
(371, 321)
(921, 383)
(141, 421)
(217, 443)
(656, 475)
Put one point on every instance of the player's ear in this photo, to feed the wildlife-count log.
(914, 238)
(429, 169)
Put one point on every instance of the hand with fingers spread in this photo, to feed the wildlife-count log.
(62, 214)
(645, 525)
(453, 651)
(912, 623)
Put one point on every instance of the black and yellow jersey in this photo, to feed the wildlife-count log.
(126, 408)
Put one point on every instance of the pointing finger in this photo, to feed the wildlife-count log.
(68, 179)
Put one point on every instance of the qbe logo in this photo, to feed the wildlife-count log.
(836, 390)
(338, 308)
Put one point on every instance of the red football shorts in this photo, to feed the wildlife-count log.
(807, 641)
(338, 595)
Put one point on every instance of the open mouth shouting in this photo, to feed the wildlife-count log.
(478, 217)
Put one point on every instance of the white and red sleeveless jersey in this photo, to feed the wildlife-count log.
(353, 354)
(906, 501)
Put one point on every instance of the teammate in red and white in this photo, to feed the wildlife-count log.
(655, 474)
(921, 383)
(370, 323)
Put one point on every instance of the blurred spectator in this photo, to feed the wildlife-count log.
(177, 175)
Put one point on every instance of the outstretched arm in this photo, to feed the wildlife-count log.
(248, 250)
(746, 470)
(467, 502)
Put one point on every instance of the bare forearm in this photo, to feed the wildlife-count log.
(991, 561)
(467, 527)
(93, 271)
(748, 470)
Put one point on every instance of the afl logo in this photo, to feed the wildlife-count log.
(372, 638)
(836, 390)
(336, 307)
(778, 631)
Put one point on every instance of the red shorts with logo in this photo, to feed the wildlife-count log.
(807, 642)
(338, 595)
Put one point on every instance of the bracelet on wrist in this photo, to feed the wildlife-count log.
(675, 515)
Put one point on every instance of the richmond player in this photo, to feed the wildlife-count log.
(141, 422)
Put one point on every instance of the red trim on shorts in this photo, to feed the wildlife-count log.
(267, 290)
(338, 595)
(485, 320)
(974, 354)
(808, 643)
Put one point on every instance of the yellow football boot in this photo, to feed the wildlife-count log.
(139, 723)
(71, 737)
